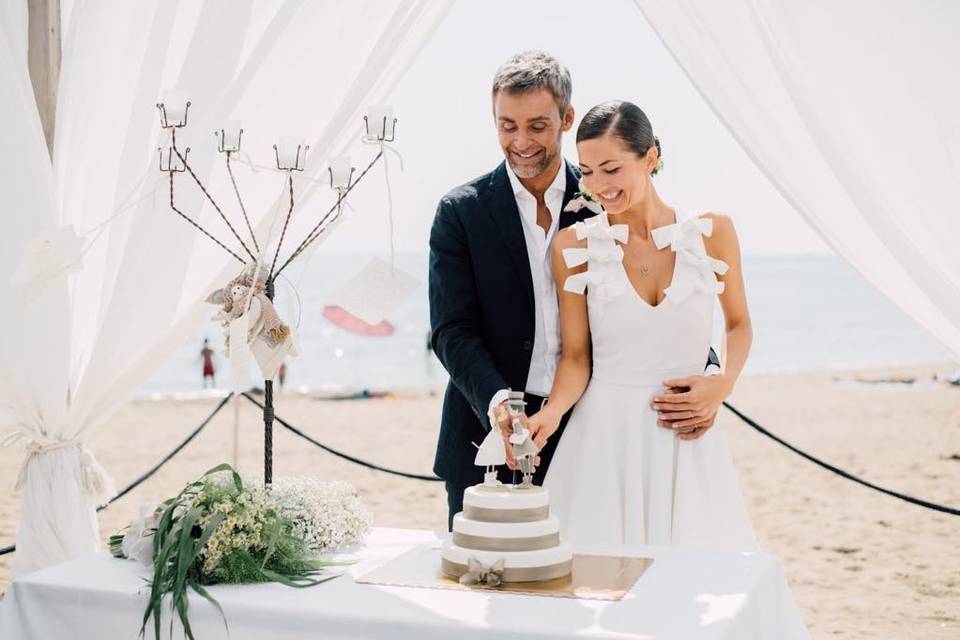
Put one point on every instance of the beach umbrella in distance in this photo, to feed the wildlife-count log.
(349, 322)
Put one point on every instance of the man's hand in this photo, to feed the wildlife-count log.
(689, 405)
(504, 421)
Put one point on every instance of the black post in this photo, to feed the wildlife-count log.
(268, 413)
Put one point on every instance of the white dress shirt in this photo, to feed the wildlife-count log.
(546, 341)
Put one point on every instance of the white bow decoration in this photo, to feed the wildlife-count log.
(602, 253)
(604, 287)
(684, 238)
(479, 573)
(599, 228)
(576, 256)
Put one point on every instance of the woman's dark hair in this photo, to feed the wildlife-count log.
(624, 120)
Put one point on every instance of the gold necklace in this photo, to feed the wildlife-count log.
(644, 269)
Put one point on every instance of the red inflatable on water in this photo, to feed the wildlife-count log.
(346, 320)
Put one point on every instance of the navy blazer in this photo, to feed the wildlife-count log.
(482, 314)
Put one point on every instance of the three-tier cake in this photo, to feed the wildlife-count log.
(508, 523)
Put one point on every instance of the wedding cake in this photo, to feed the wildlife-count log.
(506, 529)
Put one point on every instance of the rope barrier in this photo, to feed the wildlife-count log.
(340, 454)
(841, 472)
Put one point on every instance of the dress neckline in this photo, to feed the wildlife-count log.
(673, 270)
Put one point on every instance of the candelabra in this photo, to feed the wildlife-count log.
(289, 156)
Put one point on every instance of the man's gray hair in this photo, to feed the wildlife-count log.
(533, 70)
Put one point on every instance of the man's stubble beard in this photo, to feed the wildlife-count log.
(534, 171)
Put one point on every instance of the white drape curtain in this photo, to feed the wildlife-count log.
(73, 349)
(851, 110)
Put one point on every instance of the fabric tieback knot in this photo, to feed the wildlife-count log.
(479, 573)
(93, 477)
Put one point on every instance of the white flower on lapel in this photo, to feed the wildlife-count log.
(583, 198)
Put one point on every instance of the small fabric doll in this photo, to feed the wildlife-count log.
(269, 339)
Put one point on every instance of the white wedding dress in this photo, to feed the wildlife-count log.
(616, 476)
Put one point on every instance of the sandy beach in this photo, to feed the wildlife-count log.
(861, 564)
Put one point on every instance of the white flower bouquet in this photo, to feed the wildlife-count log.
(220, 529)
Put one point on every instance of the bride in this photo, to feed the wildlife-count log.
(639, 462)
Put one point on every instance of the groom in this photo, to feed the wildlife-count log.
(493, 302)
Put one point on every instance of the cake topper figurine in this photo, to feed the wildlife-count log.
(524, 451)
(491, 454)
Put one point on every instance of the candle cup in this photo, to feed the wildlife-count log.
(229, 137)
(173, 108)
(380, 124)
(291, 154)
(341, 173)
(170, 162)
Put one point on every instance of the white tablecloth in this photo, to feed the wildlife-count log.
(684, 595)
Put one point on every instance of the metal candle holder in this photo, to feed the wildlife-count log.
(173, 162)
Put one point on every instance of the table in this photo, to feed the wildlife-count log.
(685, 594)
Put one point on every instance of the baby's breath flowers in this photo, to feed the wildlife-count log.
(327, 515)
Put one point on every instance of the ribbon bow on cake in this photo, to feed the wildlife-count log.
(479, 573)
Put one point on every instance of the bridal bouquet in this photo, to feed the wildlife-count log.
(220, 529)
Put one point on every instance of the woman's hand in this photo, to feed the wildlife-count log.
(542, 425)
(689, 405)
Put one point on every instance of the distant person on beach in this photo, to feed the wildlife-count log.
(282, 373)
(209, 373)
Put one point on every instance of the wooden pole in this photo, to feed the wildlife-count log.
(43, 61)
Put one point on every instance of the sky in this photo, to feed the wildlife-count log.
(446, 133)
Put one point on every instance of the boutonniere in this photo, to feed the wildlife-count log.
(583, 198)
